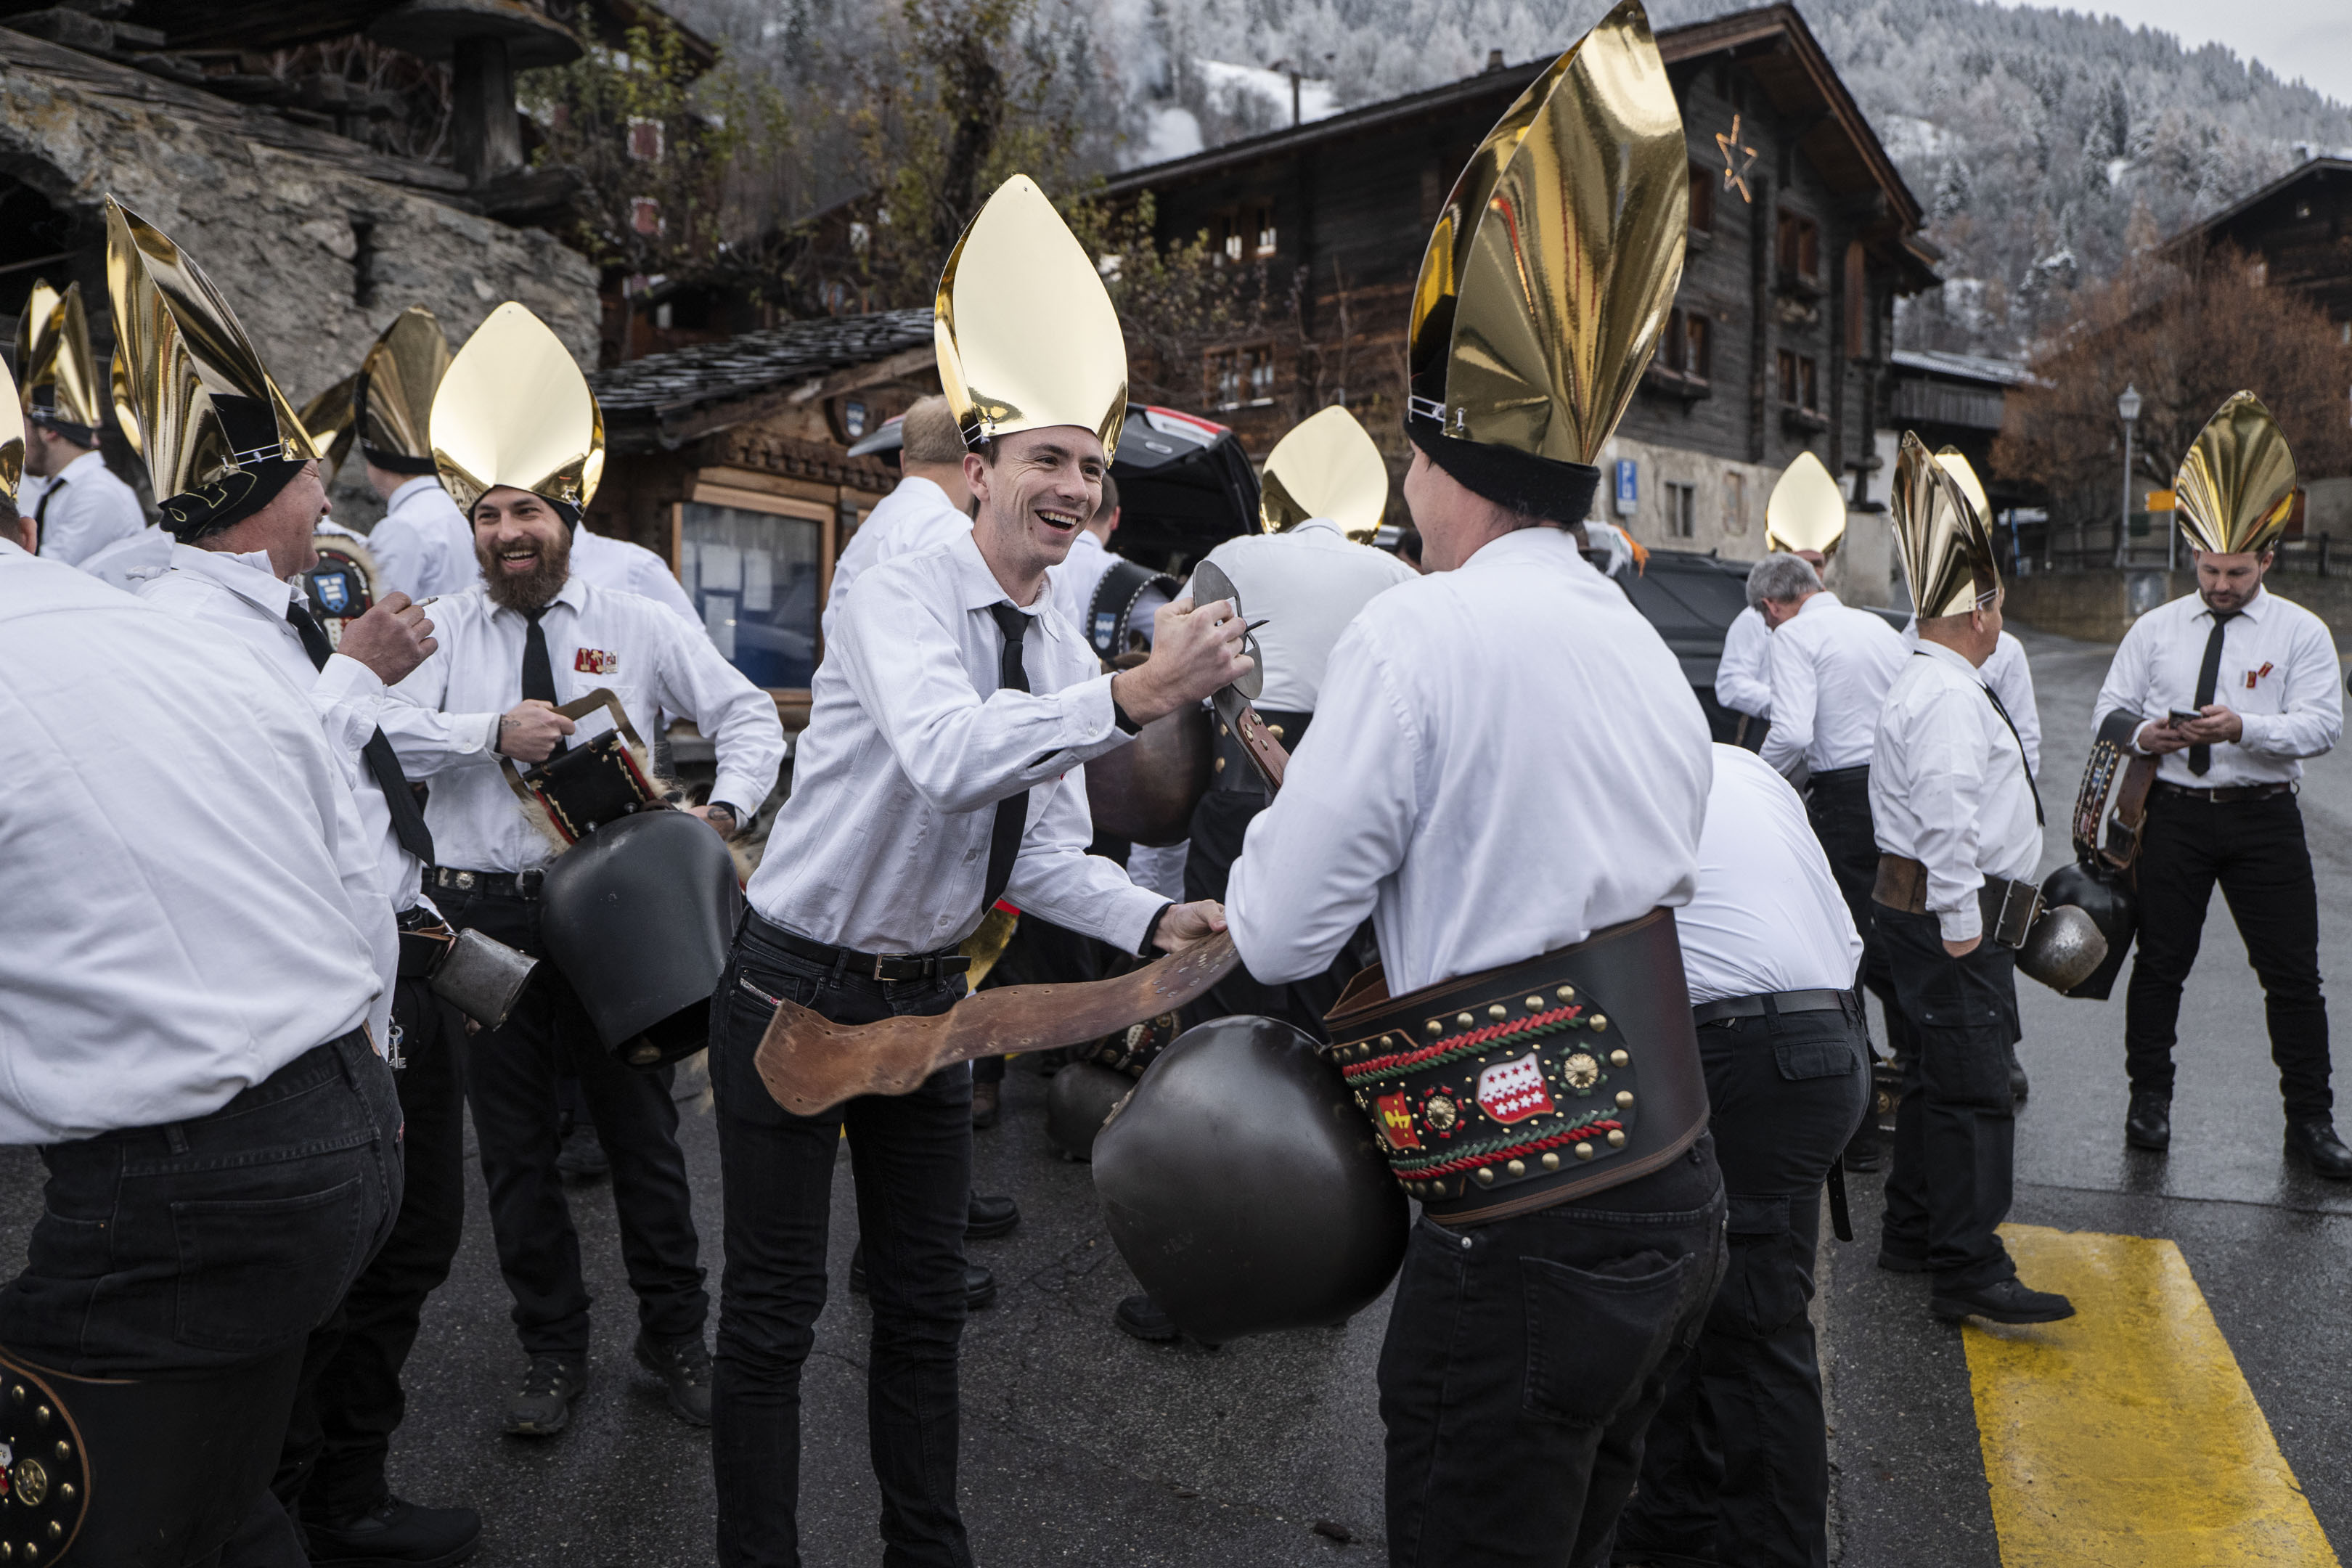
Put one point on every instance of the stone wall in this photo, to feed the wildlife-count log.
(2101, 606)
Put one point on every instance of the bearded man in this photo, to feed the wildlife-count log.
(533, 636)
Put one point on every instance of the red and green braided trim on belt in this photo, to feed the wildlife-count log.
(1398, 1064)
(1446, 1162)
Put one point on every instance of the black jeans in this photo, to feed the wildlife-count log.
(1523, 1360)
(912, 1155)
(2255, 849)
(1838, 806)
(350, 1402)
(1218, 822)
(200, 1247)
(1956, 1130)
(511, 1074)
(1738, 1464)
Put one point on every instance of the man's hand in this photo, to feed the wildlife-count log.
(1193, 652)
(720, 815)
(528, 730)
(1185, 924)
(2219, 726)
(1961, 949)
(393, 639)
(2156, 738)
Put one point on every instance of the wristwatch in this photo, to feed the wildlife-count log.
(734, 818)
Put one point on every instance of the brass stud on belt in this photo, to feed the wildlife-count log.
(1387, 1044)
(1463, 1020)
(1496, 1012)
(56, 1530)
(16, 1392)
(65, 1449)
(1625, 1099)
(67, 1491)
(1218, 766)
(1274, 731)
(1535, 1004)
(42, 1415)
(1566, 993)
(1552, 1160)
(1432, 1028)
(1517, 1167)
(1597, 1023)
(1224, 730)
(1618, 1058)
(1584, 1151)
(1486, 1177)
(1617, 1138)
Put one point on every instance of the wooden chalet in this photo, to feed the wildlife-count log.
(2298, 227)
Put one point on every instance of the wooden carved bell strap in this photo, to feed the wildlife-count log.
(588, 785)
(1533, 1084)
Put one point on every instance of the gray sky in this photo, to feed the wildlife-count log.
(2307, 38)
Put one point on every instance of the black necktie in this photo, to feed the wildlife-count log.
(1012, 811)
(2002, 709)
(2208, 675)
(41, 510)
(407, 821)
(538, 670)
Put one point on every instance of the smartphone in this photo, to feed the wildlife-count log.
(2177, 718)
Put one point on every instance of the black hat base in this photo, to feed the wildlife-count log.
(1542, 488)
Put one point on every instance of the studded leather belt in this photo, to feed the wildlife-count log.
(505, 884)
(2223, 795)
(1533, 1084)
(1232, 772)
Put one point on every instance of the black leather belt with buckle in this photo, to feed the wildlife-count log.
(849, 960)
(2224, 795)
(505, 884)
(1716, 1012)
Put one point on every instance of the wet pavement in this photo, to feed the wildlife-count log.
(1082, 1445)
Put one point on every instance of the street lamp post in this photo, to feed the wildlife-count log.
(2129, 407)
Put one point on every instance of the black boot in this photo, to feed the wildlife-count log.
(2003, 1301)
(978, 1283)
(684, 1366)
(2148, 1123)
(395, 1534)
(1145, 1319)
(2315, 1143)
(990, 1215)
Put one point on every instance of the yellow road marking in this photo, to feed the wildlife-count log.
(2125, 1436)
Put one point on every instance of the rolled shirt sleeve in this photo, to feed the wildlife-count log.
(2311, 717)
(2125, 690)
(739, 718)
(1054, 877)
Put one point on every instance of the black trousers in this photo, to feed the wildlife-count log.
(350, 1400)
(1736, 1468)
(1956, 1130)
(1524, 1359)
(1838, 806)
(912, 1155)
(1218, 822)
(205, 1246)
(511, 1074)
(2255, 850)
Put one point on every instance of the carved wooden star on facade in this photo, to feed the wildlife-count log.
(1735, 164)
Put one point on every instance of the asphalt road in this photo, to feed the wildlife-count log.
(1083, 1446)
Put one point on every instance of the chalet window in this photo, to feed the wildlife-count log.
(1695, 363)
(1682, 510)
(1228, 234)
(1702, 199)
(752, 571)
(1223, 378)
(1799, 247)
(1800, 382)
(1240, 377)
(1259, 361)
(1735, 502)
(1266, 234)
(1807, 391)
(1857, 302)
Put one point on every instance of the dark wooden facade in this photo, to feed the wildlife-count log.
(1783, 327)
(2299, 227)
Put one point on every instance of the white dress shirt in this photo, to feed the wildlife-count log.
(2278, 674)
(1948, 787)
(1830, 668)
(914, 516)
(2011, 680)
(423, 546)
(1505, 759)
(128, 562)
(883, 846)
(608, 562)
(1768, 915)
(189, 905)
(1743, 676)
(240, 595)
(1306, 583)
(444, 718)
(1078, 575)
(89, 508)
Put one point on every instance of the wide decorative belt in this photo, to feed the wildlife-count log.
(1533, 1084)
(2008, 908)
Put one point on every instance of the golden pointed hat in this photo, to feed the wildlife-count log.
(11, 437)
(1964, 474)
(2235, 490)
(1547, 280)
(118, 377)
(55, 370)
(1025, 329)
(219, 438)
(513, 409)
(392, 400)
(1807, 511)
(1943, 540)
(1326, 466)
(328, 417)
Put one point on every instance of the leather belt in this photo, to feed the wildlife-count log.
(849, 960)
(2008, 908)
(1706, 1013)
(505, 884)
(424, 939)
(2223, 795)
(1835, 777)
(1532, 1084)
(1232, 773)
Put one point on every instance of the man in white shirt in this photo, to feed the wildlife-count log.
(1508, 774)
(1743, 675)
(1736, 1466)
(943, 769)
(1959, 832)
(531, 638)
(189, 949)
(80, 507)
(422, 545)
(1806, 518)
(2261, 674)
(931, 505)
(630, 567)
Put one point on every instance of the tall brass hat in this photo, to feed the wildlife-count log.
(219, 438)
(513, 409)
(1943, 538)
(11, 437)
(118, 379)
(328, 417)
(2235, 490)
(1025, 329)
(1326, 466)
(1964, 474)
(1548, 279)
(55, 366)
(1807, 511)
(392, 399)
